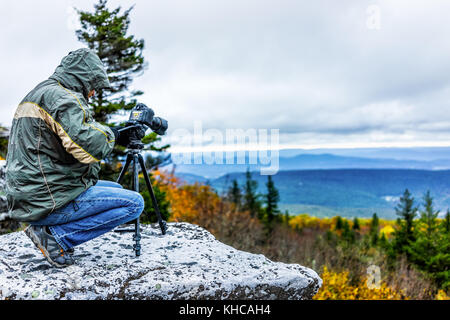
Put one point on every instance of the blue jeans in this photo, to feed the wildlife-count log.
(96, 211)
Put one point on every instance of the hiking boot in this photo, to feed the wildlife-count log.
(51, 250)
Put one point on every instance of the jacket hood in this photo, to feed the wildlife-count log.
(82, 71)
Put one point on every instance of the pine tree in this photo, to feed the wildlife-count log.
(272, 199)
(430, 251)
(161, 198)
(347, 234)
(373, 230)
(251, 198)
(160, 159)
(404, 234)
(429, 217)
(374, 223)
(106, 32)
(339, 223)
(356, 225)
(443, 257)
(235, 194)
(383, 242)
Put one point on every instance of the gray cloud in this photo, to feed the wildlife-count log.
(312, 69)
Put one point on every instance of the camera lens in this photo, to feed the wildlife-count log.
(159, 125)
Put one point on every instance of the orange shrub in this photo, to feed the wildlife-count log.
(187, 201)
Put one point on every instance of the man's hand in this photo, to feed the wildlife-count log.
(123, 135)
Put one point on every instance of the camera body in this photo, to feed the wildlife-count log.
(141, 114)
(141, 118)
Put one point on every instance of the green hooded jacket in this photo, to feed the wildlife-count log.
(55, 146)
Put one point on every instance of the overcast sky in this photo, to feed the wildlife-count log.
(326, 73)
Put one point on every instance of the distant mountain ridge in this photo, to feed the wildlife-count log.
(346, 182)
(411, 153)
(316, 161)
(344, 190)
(331, 161)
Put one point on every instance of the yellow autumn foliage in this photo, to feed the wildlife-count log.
(441, 295)
(387, 231)
(187, 201)
(302, 221)
(200, 204)
(336, 286)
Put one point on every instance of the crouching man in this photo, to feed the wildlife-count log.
(53, 160)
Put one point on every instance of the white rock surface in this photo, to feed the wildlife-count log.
(186, 263)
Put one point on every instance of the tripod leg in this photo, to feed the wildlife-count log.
(162, 223)
(121, 175)
(125, 168)
(137, 229)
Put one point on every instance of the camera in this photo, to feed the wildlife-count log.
(141, 118)
(141, 114)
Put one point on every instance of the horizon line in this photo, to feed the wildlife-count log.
(235, 148)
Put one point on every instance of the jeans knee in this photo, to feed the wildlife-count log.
(139, 204)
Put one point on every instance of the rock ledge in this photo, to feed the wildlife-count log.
(186, 263)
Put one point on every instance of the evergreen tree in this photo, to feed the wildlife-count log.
(272, 199)
(374, 223)
(106, 32)
(431, 249)
(356, 228)
(159, 159)
(383, 242)
(235, 194)
(404, 234)
(161, 198)
(373, 230)
(428, 217)
(356, 225)
(339, 223)
(348, 234)
(446, 223)
(442, 276)
(251, 198)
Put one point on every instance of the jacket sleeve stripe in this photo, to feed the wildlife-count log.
(32, 110)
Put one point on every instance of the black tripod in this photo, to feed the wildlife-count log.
(134, 157)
